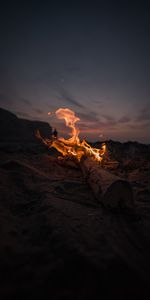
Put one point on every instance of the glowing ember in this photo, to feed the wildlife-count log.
(72, 147)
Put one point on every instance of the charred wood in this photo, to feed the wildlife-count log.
(112, 191)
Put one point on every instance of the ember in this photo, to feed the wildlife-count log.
(72, 147)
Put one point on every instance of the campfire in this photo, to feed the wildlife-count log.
(72, 147)
(112, 191)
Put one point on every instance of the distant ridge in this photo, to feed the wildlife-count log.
(128, 150)
(14, 128)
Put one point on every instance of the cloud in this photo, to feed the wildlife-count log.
(98, 103)
(144, 114)
(101, 100)
(88, 117)
(38, 111)
(27, 116)
(64, 95)
(124, 119)
(108, 118)
(140, 126)
(26, 101)
(23, 114)
(91, 123)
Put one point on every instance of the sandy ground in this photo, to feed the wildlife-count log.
(58, 242)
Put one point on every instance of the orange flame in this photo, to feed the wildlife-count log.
(69, 116)
(72, 147)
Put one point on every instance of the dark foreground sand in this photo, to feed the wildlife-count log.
(57, 242)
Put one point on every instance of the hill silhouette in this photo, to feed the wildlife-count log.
(16, 129)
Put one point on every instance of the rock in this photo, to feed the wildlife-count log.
(13, 128)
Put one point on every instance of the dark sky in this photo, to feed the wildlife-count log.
(92, 57)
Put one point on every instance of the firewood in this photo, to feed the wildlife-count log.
(112, 191)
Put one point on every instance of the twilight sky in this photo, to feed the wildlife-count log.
(93, 58)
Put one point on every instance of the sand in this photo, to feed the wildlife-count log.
(58, 242)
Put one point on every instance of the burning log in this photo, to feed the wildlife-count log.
(72, 147)
(112, 191)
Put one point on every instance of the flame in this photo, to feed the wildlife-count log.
(72, 147)
(69, 116)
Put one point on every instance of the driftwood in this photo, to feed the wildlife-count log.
(112, 191)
